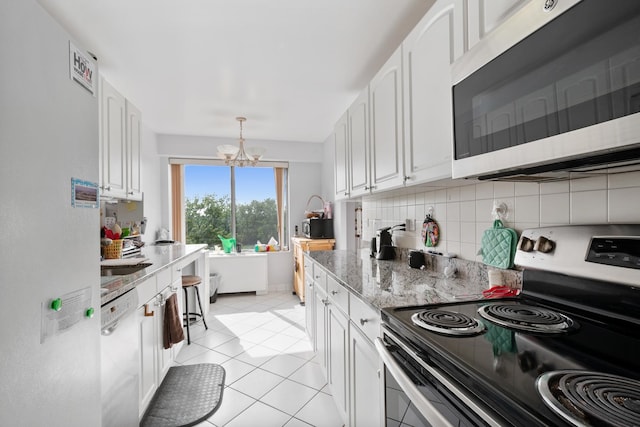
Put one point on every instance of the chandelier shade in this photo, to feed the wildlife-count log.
(239, 155)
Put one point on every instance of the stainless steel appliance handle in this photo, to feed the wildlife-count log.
(424, 406)
(451, 387)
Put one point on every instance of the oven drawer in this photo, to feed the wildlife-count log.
(338, 294)
(365, 318)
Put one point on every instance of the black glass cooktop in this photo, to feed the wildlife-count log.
(500, 364)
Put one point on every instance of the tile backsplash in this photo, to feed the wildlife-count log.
(464, 210)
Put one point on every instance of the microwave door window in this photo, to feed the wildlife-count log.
(554, 81)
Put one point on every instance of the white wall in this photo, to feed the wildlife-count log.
(152, 183)
(463, 210)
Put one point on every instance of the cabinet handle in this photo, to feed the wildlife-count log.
(147, 312)
(346, 194)
(108, 188)
(311, 285)
(334, 292)
(130, 193)
(363, 321)
(174, 288)
(367, 187)
(407, 178)
(325, 301)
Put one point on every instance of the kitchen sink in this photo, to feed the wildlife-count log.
(123, 270)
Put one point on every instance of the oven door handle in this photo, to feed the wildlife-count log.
(424, 406)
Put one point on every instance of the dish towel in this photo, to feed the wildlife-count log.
(173, 332)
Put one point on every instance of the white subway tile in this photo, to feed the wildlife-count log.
(468, 211)
(503, 189)
(440, 212)
(589, 184)
(468, 232)
(624, 205)
(484, 208)
(468, 251)
(528, 208)
(453, 247)
(484, 191)
(441, 196)
(520, 226)
(554, 209)
(468, 192)
(429, 197)
(451, 232)
(453, 211)
(419, 198)
(624, 180)
(589, 207)
(527, 189)
(453, 194)
(554, 187)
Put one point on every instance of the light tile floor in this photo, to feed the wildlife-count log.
(272, 376)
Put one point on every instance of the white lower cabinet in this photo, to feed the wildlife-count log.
(364, 378)
(338, 360)
(148, 354)
(320, 326)
(344, 329)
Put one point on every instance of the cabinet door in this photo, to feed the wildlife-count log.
(133, 144)
(320, 303)
(338, 358)
(364, 380)
(359, 177)
(298, 274)
(166, 356)
(429, 51)
(112, 137)
(340, 134)
(486, 15)
(310, 307)
(385, 97)
(148, 354)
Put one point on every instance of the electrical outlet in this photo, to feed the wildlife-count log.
(410, 225)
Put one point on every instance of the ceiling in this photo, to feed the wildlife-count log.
(292, 67)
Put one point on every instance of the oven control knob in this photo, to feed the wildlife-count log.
(526, 244)
(544, 245)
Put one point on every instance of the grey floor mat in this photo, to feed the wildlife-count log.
(187, 396)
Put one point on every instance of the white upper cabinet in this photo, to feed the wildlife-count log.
(340, 134)
(359, 175)
(120, 145)
(133, 144)
(428, 52)
(486, 15)
(112, 138)
(385, 104)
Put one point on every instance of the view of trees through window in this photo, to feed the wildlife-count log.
(208, 192)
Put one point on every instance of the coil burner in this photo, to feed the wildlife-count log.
(528, 318)
(447, 322)
(586, 398)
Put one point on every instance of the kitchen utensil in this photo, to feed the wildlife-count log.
(416, 259)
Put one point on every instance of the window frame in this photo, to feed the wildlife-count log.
(284, 215)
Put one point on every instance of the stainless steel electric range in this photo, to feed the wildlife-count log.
(565, 352)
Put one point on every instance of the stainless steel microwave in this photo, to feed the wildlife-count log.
(317, 228)
(550, 90)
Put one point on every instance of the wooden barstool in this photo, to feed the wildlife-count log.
(191, 282)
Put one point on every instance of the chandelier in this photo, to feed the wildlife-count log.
(240, 156)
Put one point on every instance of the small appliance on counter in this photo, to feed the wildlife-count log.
(317, 228)
(384, 243)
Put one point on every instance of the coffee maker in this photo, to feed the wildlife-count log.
(384, 242)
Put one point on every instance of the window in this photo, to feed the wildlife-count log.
(246, 203)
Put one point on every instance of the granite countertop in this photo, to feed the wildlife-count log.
(394, 284)
(160, 256)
